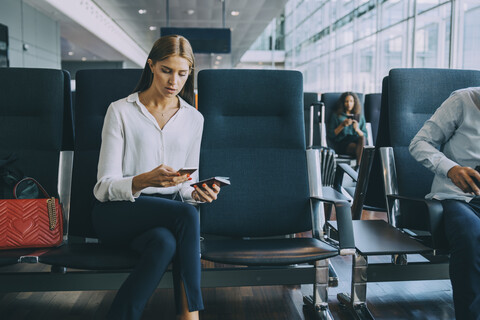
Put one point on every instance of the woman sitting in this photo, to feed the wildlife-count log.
(347, 126)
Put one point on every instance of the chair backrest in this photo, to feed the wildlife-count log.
(373, 102)
(375, 196)
(254, 133)
(409, 98)
(310, 98)
(95, 90)
(330, 99)
(31, 121)
(68, 136)
(414, 95)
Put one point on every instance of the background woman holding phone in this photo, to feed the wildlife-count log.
(347, 126)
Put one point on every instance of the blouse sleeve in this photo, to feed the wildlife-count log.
(111, 184)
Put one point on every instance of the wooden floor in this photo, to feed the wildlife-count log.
(402, 300)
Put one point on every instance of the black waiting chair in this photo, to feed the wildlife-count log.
(415, 225)
(99, 267)
(312, 110)
(373, 102)
(32, 110)
(95, 89)
(254, 133)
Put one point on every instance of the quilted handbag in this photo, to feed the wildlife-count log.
(30, 223)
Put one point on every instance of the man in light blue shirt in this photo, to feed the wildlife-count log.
(455, 129)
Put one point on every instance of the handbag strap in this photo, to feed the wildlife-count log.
(34, 181)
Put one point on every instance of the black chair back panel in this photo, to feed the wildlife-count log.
(68, 126)
(256, 140)
(255, 204)
(95, 90)
(375, 196)
(373, 103)
(31, 121)
(414, 95)
(308, 99)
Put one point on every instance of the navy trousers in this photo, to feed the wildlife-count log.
(162, 231)
(462, 225)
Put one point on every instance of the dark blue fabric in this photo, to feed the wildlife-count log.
(31, 121)
(308, 99)
(375, 197)
(373, 102)
(462, 223)
(95, 90)
(68, 137)
(254, 134)
(159, 229)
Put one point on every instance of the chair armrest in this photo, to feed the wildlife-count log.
(434, 209)
(341, 169)
(344, 220)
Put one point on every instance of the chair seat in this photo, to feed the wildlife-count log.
(91, 256)
(377, 237)
(266, 251)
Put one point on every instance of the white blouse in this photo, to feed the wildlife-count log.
(133, 143)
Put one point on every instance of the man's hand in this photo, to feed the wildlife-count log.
(465, 178)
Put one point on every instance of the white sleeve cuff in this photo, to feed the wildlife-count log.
(444, 166)
(122, 190)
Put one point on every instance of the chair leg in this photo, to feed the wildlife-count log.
(332, 276)
(356, 302)
(318, 303)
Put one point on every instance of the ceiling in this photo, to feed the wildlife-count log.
(253, 17)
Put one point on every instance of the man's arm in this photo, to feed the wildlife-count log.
(435, 132)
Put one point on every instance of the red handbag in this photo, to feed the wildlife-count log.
(30, 223)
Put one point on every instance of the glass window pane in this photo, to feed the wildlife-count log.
(364, 64)
(392, 53)
(432, 37)
(471, 39)
(393, 11)
(423, 5)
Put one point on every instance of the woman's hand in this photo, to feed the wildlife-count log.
(463, 177)
(343, 124)
(356, 127)
(347, 122)
(205, 193)
(161, 177)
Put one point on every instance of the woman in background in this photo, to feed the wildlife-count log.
(347, 126)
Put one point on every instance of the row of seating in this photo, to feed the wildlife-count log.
(415, 235)
(245, 137)
(253, 133)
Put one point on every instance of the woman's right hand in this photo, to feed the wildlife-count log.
(347, 122)
(161, 177)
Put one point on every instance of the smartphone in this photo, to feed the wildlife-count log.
(184, 171)
(219, 181)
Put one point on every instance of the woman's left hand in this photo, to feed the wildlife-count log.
(205, 193)
(355, 125)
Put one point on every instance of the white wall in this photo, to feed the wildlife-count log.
(34, 39)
